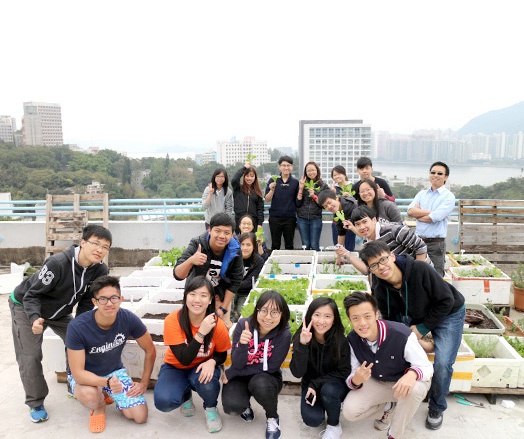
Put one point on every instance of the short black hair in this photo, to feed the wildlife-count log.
(104, 281)
(221, 219)
(373, 249)
(440, 164)
(96, 230)
(358, 297)
(280, 302)
(324, 195)
(362, 162)
(285, 158)
(361, 212)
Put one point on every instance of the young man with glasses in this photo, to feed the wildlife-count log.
(47, 299)
(412, 292)
(95, 341)
(282, 194)
(431, 208)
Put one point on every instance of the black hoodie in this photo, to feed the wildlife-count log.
(54, 290)
(423, 296)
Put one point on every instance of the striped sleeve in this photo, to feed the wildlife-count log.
(408, 239)
(415, 355)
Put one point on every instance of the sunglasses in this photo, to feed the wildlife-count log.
(436, 173)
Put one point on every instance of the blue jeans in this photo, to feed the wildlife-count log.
(447, 336)
(329, 399)
(174, 386)
(310, 230)
(349, 243)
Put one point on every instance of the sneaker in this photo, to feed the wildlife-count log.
(248, 415)
(384, 422)
(213, 421)
(188, 408)
(331, 432)
(273, 428)
(38, 414)
(434, 419)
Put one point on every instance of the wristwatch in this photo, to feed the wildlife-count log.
(222, 309)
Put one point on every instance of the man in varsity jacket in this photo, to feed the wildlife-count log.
(390, 371)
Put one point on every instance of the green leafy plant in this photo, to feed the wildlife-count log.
(468, 259)
(348, 285)
(348, 188)
(516, 344)
(260, 235)
(275, 268)
(170, 257)
(339, 216)
(275, 177)
(293, 290)
(483, 348)
(480, 272)
(518, 276)
(311, 185)
(250, 158)
(329, 267)
(247, 309)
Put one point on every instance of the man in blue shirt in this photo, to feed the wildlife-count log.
(432, 208)
(283, 211)
(95, 341)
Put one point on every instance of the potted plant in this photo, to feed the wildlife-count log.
(518, 287)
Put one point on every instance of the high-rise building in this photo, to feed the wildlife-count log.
(236, 151)
(42, 124)
(206, 157)
(333, 142)
(7, 129)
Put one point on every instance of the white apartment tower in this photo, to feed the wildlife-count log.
(42, 124)
(7, 129)
(333, 142)
(236, 151)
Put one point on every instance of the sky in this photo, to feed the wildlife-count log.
(173, 76)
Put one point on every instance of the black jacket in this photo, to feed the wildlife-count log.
(54, 291)
(244, 204)
(319, 368)
(429, 297)
(348, 204)
(253, 271)
(307, 208)
(232, 270)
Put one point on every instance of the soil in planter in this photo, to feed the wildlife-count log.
(160, 316)
(174, 302)
(511, 330)
(157, 337)
(477, 320)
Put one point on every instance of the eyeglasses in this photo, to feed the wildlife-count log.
(100, 246)
(103, 300)
(285, 166)
(436, 173)
(273, 313)
(382, 261)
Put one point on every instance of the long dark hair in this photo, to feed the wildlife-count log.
(183, 317)
(255, 186)
(373, 186)
(333, 338)
(317, 178)
(226, 180)
(280, 302)
(252, 237)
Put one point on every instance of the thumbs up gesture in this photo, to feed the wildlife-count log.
(199, 258)
(38, 326)
(246, 334)
(306, 335)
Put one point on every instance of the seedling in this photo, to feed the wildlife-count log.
(311, 185)
(348, 188)
(483, 348)
(260, 235)
(275, 177)
(480, 272)
(339, 216)
(348, 285)
(275, 268)
(516, 344)
(170, 257)
(250, 158)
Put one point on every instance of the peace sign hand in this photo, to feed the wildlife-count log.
(362, 374)
(246, 335)
(306, 335)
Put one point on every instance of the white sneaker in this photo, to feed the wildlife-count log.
(213, 421)
(332, 432)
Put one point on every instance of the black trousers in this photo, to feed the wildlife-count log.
(282, 226)
(264, 387)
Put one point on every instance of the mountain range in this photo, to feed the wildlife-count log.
(508, 120)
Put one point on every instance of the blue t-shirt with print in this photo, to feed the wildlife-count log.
(103, 347)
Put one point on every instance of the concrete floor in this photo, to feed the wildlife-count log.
(67, 418)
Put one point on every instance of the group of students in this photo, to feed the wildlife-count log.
(299, 203)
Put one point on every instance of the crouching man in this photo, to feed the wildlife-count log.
(389, 368)
(95, 341)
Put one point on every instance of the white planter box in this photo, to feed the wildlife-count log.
(291, 269)
(143, 279)
(330, 256)
(520, 379)
(502, 370)
(500, 327)
(293, 253)
(155, 308)
(165, 294)
(174, 284)
(321, 283)
(53, 350)
(136, 294)
(462, 369)
(155, 261)
(346, 269)
(482, 289)
(469, 257)
(291, 259)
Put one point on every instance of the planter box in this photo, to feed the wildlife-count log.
(321, 283)
(462, 369)
(174, 284)
(346, 269)
(477, 306)
(468, 257)
(520, 380)
(293, 253)
(291, 259)
(155, 308)
(282, 277)
(482, 289)
(165, 294)
(501, 371)
(141, 278)
(136, 294)
(291, 269)
(330, 256)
